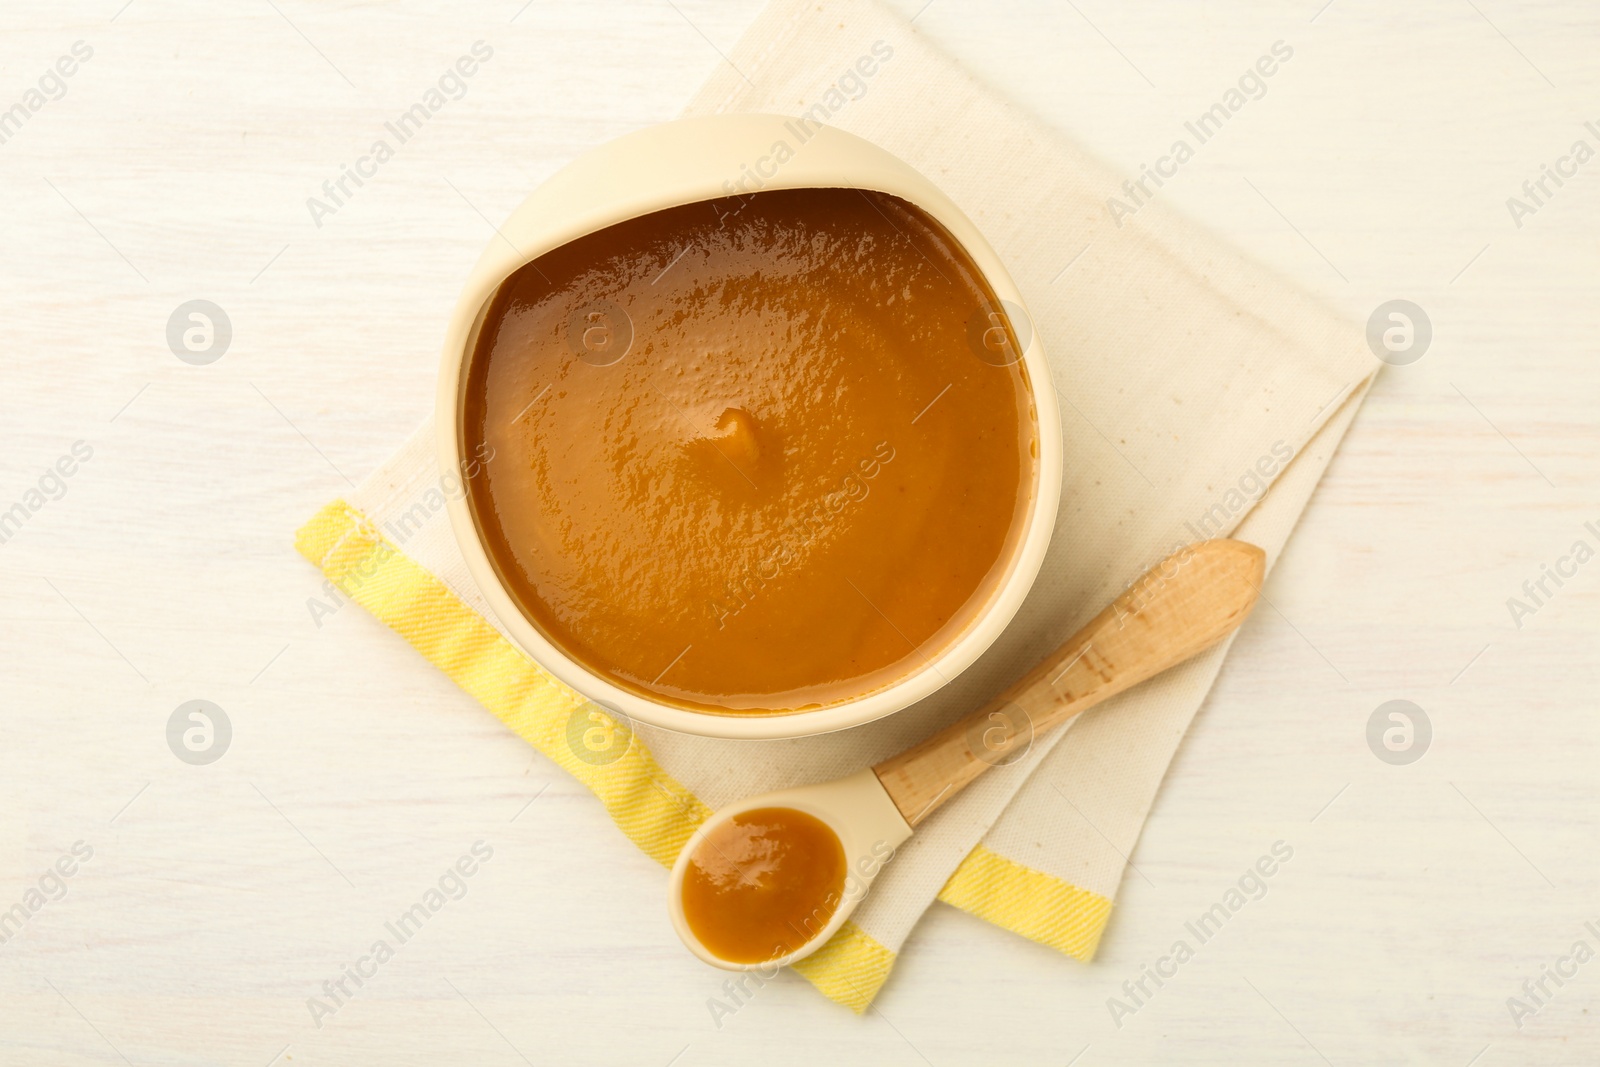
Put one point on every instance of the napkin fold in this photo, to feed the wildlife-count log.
(1202, 396)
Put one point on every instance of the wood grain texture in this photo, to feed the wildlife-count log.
(1377, 166)
(1182, 606)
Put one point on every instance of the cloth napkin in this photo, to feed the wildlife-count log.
(1202, 396)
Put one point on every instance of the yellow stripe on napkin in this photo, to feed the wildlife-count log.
(656, 812)
(1036, 905)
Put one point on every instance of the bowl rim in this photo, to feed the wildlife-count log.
(688, 161)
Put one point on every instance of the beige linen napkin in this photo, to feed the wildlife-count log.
(1191, 381)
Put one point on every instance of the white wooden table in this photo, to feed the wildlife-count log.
(177, 165)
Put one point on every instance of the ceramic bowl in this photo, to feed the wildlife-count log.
(685, 162)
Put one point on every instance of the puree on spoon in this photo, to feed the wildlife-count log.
(763, 883)
(754, 454)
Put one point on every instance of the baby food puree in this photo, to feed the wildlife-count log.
(755, 454)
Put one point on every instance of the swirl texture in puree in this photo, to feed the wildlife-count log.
(755, 454)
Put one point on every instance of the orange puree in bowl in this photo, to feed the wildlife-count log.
(756, 454)
(763, 883)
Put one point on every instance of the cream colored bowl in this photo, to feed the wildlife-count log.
(681, 163)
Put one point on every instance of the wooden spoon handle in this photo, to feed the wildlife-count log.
(1184, 605)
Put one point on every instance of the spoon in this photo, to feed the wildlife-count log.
(746, 894)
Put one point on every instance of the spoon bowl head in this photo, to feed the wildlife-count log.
(770, 879)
